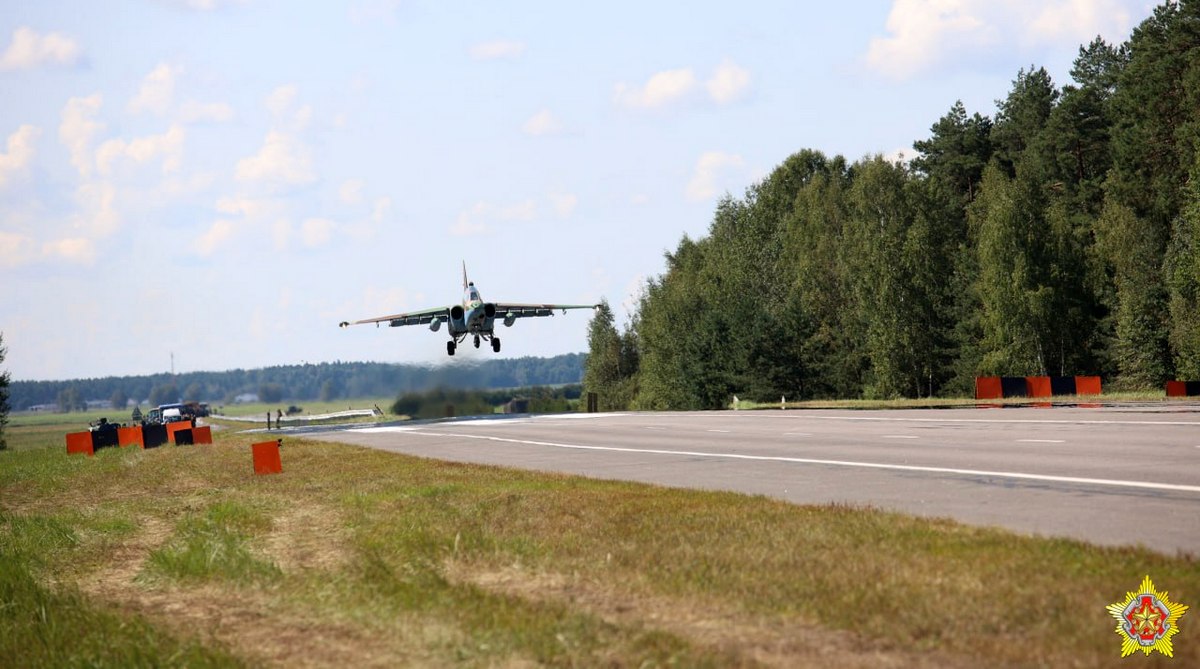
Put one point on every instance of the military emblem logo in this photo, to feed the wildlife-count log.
(1147, 620)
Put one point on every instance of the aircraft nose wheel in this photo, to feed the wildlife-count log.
(496, 344)
(476, 341)
(450, 348)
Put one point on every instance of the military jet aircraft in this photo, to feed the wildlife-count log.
(473, 317)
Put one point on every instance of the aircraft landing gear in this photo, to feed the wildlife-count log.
(476, 341)
(450, 346)
(496, 344)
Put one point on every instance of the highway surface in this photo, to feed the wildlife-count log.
(1112, 475)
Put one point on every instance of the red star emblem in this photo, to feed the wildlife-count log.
(1146, 620)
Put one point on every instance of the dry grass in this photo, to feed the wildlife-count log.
(386, 560)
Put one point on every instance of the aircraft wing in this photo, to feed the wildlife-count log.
(530, 310)
(440, 314)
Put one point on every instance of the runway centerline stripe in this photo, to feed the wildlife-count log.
(1147, 485)
(1042, 441)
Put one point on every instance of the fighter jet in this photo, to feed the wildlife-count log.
(473, 317)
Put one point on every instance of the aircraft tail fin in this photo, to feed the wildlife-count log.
(464, 275)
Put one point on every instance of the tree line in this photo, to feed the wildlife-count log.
(324, 382)
(1059, 236)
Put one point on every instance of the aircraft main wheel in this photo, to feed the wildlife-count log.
(476, 341)
(496, 344)
(450, 348)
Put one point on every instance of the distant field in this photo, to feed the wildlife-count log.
(180, 556)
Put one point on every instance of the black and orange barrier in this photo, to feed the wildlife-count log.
(154, 436)
(999, 387)
(1183, 388)
(80, 442)
(266, 458)
(173, 430)
(130, 436)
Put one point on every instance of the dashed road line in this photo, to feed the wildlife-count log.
(1042, 441)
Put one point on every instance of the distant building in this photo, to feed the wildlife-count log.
(246, 398)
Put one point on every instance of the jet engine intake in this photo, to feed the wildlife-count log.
(489, 310)
(457, 318)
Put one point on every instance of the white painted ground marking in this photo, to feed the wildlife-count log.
(383, 430)
(989, 420)
(1150, 485)
(1042, 441)
(721, 431)
(809, 434)
(651, 427)
(900, 436)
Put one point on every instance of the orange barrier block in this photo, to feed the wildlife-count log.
(1039, 386)
(202, 435)
(988, 388)
(1087, 385)
(178, 425)
(80, 442)
(266, 458)
(130, 436)
(1174, 389)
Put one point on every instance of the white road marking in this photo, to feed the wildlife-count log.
(1148, 485)
(900, 436)
(1042, 441)
(651, 427)
(990, 420)
(721, 431)
(809, 434)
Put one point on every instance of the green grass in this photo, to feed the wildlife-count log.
(400, 560)
(214, 545)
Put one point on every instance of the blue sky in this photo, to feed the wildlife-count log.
(226, 181)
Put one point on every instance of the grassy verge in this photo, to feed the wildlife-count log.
(360, 557)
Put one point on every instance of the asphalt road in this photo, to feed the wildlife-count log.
(1110, 475)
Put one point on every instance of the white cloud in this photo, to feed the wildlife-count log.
(246, 207)
(728, 83)
(15, 249)
(19, 154)
(475, 221)
(97, 214)
(659, 91)
(78, 128)
(216, 235)
(282, 105)
(283, 160)
(167, 147)
(704, 180)
(564, 203)
(73, 249)
(316, 232)
(157, 91)
(542, 123)
(197, 112)
(497, 50)
(351, 192)
(29, 50)
(281, 99)
(383, 207)
(924, 33)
